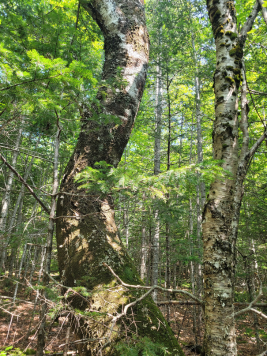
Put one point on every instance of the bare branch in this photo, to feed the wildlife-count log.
(150, 289)
(188, 302)
(264, 353)
(84, 340)
(255, 92)
(249, 308)
(28, 152)
(258, 312)
(26, 184)
(257, 144)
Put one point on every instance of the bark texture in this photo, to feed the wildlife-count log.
(221, 211)
(86, 231)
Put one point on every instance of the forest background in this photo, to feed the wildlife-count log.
(51, 62)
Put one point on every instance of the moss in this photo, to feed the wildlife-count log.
(237, 70)
(232, 52)
(219, 31)
(230, 5)
(236, 51)
(237, 79)
(230, 68)
(222, 44)
(230, 79)
(231, 34)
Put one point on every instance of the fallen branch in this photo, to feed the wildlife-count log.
(18, 300)
(83, 340)
(263, 354)
(188, 302)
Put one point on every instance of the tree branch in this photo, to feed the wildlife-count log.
(255, 92)
(257, 144)
(29, 81)
(26, 184)
(249, 308)
(187, 302)
(263, 10)
(244, 114)
(250, 20)
(150, 289)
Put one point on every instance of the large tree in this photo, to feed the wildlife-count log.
(231, 146)
(87, 235)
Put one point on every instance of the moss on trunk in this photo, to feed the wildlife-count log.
(86, 231)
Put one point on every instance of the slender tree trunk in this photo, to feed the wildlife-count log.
(17, 209)
(126, 224)
(201, 193)
(143, 244)
(86, 232)
(168, 262)
(155, 249)
(6, 197)
(155, 241)
(181, 140)
(220, 218)
(251, 270)
(49, 245)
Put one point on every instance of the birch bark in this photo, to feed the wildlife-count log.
(264, 11)
(155, 240)
(221, 211)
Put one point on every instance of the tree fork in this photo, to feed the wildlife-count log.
(91, 239)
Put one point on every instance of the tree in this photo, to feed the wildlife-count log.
(222, 209)
(87, 235)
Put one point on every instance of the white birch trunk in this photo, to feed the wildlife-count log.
(221, 211)
(155, 240)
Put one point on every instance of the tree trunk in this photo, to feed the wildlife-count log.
(221, 211)
(49, 247)
(6, 198)
(143, 243)
(86, 232)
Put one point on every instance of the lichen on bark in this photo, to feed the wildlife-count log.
(221, 211)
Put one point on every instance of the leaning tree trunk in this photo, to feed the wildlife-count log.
(221, 211)
(86, 231)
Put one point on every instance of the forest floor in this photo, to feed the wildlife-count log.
(19, 330)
